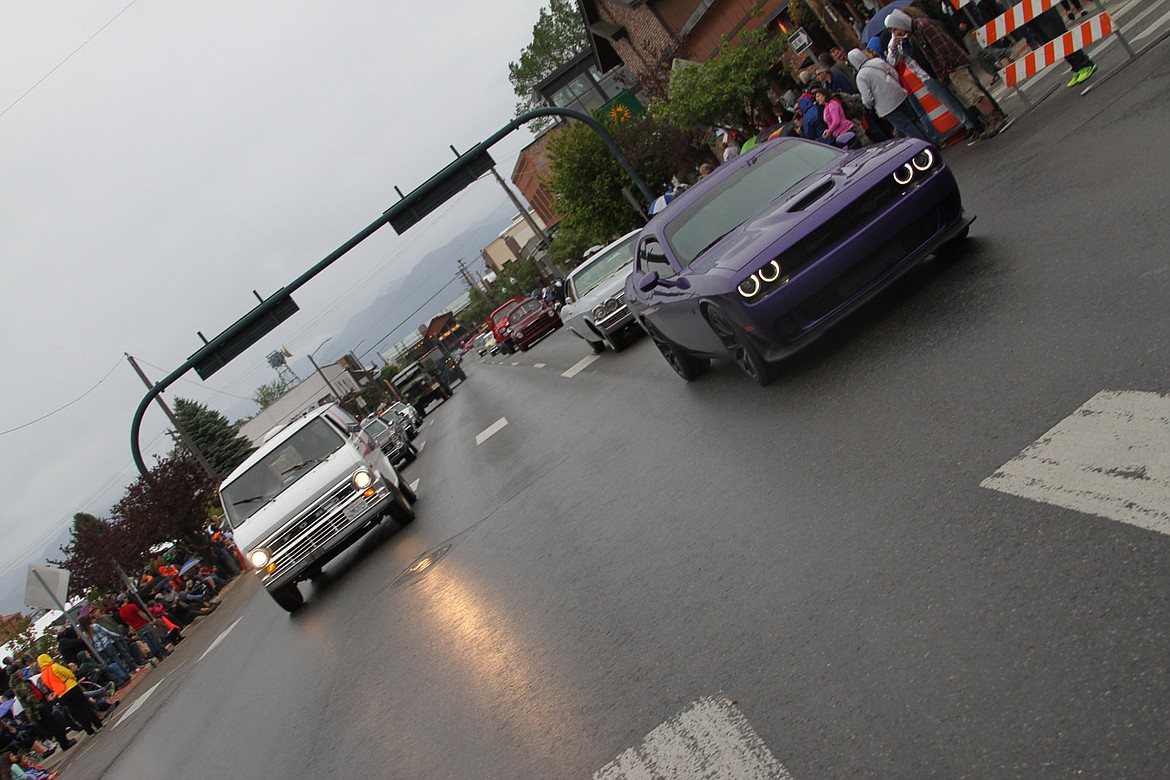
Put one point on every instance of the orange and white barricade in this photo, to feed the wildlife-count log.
(944, 121)
(1032, 63)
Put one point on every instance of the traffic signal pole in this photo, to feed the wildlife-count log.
(411, 208)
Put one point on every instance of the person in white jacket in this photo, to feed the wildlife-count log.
(882, 92)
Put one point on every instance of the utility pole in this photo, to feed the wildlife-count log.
(188, 442)
(544, 239)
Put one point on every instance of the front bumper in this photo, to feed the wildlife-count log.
(322, 531)
(865, 260)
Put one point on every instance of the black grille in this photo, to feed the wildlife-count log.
(868, 270)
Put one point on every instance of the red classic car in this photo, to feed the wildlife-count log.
(532, 320)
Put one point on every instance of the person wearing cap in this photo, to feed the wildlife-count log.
(882, 91)
(840, 74)
(951, 66)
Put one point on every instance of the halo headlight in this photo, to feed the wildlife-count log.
(749, 287)
(770, 272)
(598, 312)
(923, 160)
(362, 479)
(904, 175)
(259, 558)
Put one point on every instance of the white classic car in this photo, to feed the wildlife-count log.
(596, 308)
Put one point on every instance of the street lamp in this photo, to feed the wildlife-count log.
(329, 384)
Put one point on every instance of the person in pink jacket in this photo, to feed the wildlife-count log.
(833, 114)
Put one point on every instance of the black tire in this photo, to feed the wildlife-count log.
(954, 247)
(288, 597)
(409, 454)
(406, 490)
(400, 511)
(740, 347)
(597, 346)
(684, 364)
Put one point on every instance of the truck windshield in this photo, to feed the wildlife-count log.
(268, 478)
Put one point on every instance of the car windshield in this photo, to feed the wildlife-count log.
(602, 266)
(267, 479)
(375, 428)
(502, 315)
(744, 194)
(398, 407)
(526, 308)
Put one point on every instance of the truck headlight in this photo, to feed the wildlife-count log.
(362, 480)
(259, 558)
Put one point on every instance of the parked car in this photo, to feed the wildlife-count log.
(597, 311)
(499, 323)
(762, 256)
(533, 319)
(391, 436)
(408, 413)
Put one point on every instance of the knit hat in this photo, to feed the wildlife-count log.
(857, 58)
(899, 20)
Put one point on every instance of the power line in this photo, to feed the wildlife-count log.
(67, 58)
(66, 406)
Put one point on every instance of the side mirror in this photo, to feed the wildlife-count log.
(652, 280)
(353, 428)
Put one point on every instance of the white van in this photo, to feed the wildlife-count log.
(311, 490)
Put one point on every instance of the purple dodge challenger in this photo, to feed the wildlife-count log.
(762, 256)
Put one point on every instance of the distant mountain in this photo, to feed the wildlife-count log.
(404, 305)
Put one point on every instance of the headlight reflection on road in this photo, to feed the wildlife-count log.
(505, 669)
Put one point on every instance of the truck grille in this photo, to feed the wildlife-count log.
(306, 533)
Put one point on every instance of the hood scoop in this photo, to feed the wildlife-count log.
(809, 196)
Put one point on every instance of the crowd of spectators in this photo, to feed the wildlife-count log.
(71, 686)
(866, 95)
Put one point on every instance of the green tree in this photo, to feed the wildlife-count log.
(211, 432)
(266, 395)
(557, 37)
(726, 89)
(587, 182)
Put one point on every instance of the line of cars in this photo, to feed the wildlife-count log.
(765, 254)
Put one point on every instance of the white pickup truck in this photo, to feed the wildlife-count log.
(311, 490)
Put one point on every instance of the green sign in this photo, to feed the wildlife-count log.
(621, 109)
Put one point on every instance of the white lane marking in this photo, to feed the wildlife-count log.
(581, 365)
(538, 365)
(515, 362)
(710, 740)
(1111, 457)
(414, 485)
(126, 713)
(419, 447)
(218, 639)
(491, 430)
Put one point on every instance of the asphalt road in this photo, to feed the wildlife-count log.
(630, 554)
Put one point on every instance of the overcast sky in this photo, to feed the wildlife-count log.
(160, 161)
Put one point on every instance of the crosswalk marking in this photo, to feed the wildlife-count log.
(709, 740)
(1111, 457)
(491, 430)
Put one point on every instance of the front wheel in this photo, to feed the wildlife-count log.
(400, 511)
(684, 364)
(597, 346)
(409, 454)
(288, 597)
(740, 347)
(407, 492)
